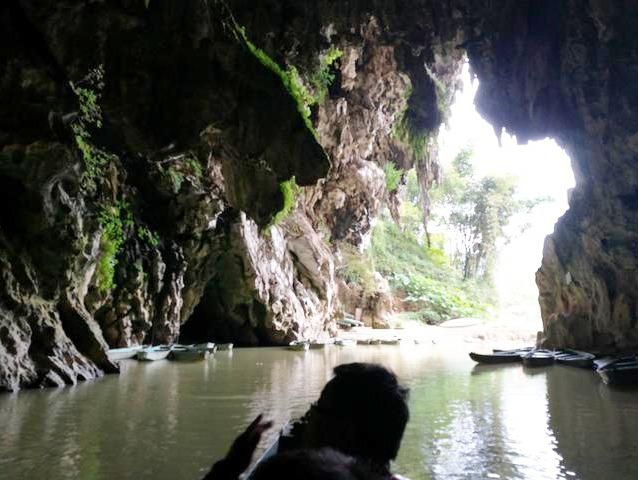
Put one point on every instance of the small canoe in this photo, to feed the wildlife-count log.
(317, 345)
(494, 358)
(521, 350)
(346, 342)
(299, 346)
(224, 346)
(575, 358)
(363, 342)
(538, 358)
(150, 354)
(349, 321)
(603, 362)
(391, 341)
(116, 354)
(271, 451)
(375, 341)
(610, 361)
(624, 372)
(208, 346)
(189, 354)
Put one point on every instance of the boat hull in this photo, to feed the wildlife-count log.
(620, 375)
(153, 354)
(575, 358)
(189, 354)
(495, 358)
(299, 346)
(537, 360)
(117, 354)
(209, 347)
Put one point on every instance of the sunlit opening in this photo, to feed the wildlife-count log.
(540, 169)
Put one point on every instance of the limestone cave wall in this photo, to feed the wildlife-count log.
(146, 148)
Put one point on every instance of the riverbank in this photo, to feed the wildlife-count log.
(458, 333)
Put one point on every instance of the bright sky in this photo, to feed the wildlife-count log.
(542, 169)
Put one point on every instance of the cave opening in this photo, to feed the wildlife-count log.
(541, 176)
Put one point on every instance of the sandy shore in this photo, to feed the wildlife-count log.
(459, 333)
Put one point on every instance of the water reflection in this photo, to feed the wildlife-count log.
(593, 421)
(165, 420)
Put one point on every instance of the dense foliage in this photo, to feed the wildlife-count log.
(423, 277)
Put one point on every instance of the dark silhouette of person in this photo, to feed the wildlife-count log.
(322, 464)
(361, 412)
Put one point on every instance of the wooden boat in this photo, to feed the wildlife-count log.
(363, 342)
(317, 345)
(346, 342)
(391, 341)
(349, 321)
(575, 358)
(612, 362)
(116, 354)
(271, 451)
(538, 358)
(604, 362)
(299, 346)
(208, 346)
(149, 354)
(189, 353)
(494, 358)
(621, 372)
(515, 350)
(375, 341)
(224, 346)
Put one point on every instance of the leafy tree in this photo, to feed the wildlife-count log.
(478, 210)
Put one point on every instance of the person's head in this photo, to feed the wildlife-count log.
(323, 464)
(362, 411)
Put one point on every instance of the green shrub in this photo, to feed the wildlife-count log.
(392, 177)
(88, 92)
(289, 190)
(114, 219)
(323, 77)
(423, 278)
(175, 177)
(148, 236)
(359, 268)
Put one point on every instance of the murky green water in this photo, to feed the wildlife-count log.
(166, 420)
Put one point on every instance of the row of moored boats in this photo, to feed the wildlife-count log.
(614, 370)
(301, 345)
(184, 353)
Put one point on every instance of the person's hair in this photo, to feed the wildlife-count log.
(370, 398)
(322, 464)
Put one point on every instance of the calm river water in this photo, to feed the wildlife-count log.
(169, 421)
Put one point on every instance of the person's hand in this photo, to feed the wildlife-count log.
(242, 450)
